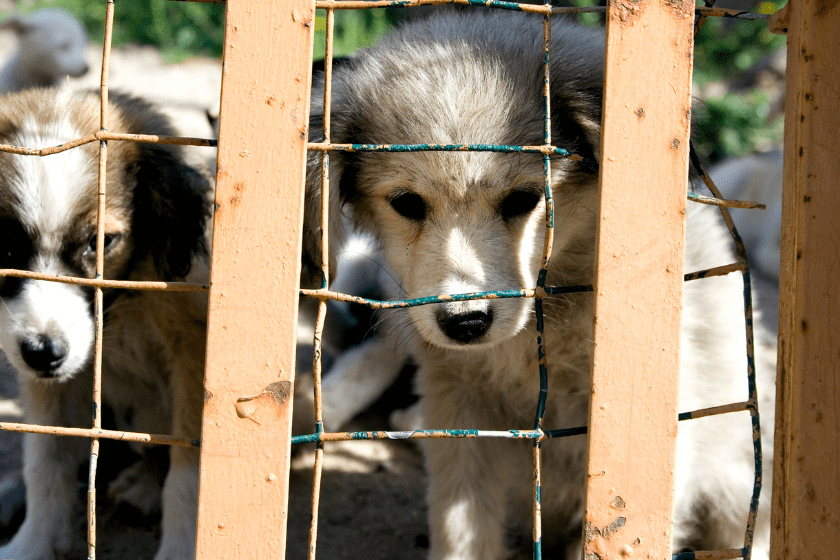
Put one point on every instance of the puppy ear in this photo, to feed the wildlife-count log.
(171, 208)
(576, 122)
(16, 24)
(311, 256)
(577, 90)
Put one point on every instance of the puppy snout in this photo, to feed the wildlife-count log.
(465, 327)
(44, 353)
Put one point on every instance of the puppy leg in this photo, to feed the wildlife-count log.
(468, 479)
(358, 378)
(50, 466)
(180, 499)
(180, 489)
(466, 498)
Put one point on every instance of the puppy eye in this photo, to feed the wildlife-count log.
(409, 205)
(15, 245)
(518, 203)
(110, 238)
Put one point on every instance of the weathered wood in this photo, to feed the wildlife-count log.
(638, 293)
(254, 282)
(806, 483)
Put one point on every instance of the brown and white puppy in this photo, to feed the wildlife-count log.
(463, 222)
(153, 359)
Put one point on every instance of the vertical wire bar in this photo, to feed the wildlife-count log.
(752, 401)
(325, 278)
(100, 273)
(538, 302)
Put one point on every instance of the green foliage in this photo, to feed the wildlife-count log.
(725, 48)
(354, 29)
(737, 122)
(179, 29)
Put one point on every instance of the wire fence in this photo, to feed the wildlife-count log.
(537, 432)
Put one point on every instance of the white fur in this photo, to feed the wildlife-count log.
(757, 178)
(46, 189)
(51, 46)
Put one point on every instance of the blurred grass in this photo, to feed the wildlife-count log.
(179, 29)
(733, 124)
(184, 29)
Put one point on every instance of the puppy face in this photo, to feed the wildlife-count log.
(48, 216)
(461, 222)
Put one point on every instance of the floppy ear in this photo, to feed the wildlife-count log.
(577, 90)
(311, 272)
(171, 208)
(576, 119)
(16, 23)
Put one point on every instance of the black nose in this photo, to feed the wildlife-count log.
(465, 327)
(43, 353)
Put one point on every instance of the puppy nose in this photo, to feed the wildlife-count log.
(43, 353)
(465, 327)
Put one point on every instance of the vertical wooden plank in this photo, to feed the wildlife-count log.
(638, 292)
(806, 483)
(243, 495)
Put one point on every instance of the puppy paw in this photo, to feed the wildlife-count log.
(33, 543)
(407, 419)
(136, 491)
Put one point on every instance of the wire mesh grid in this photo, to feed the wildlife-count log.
(540, 291)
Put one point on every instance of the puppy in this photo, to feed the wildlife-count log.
(153, 359)
(458, 222)
(51, 46)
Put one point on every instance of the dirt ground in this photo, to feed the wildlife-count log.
(372, 502)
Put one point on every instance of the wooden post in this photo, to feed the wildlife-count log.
(806, 483)
(638, 292)
(254, 281)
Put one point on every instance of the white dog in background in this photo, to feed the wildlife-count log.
(756, 177)
(459, 222)
(51, 46)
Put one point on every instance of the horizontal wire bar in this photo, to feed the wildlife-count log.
(98, 433)
(497, 294)
(528, 8)
(504, 434)
(711, 554)
(97, 283)
(545, 150)
(103, 135)
(714, 411)
(694, 197)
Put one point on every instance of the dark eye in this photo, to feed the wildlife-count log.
(518, 203)
(15, 245)
(110, 238)
(409, 205)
